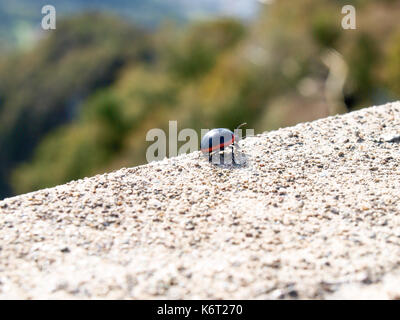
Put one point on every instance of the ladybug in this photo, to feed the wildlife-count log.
(216, 140)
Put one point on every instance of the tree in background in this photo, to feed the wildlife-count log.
(293, 63)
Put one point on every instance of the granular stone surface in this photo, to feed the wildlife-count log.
(310, 212)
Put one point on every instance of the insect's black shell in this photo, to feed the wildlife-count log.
(216, 137)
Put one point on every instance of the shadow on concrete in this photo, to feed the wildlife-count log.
(224, 159)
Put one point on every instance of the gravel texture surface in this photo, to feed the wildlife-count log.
(311, 212)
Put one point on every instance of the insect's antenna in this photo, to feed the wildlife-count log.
(241, 125)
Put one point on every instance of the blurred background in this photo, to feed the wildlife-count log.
(79, 100)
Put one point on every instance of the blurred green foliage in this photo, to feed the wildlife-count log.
(198, 51)
(392, 64)
(44, 88)
(20, 19)
(82, 101)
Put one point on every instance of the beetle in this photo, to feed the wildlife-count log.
(216, 140)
